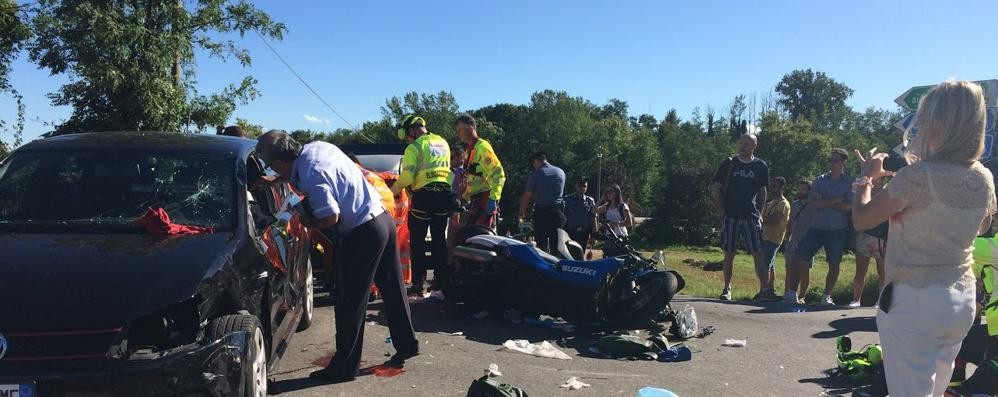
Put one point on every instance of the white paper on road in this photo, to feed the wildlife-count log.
(574, 383)
(544, 349)
(734, 342)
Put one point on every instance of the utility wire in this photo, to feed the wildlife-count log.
(310, 87)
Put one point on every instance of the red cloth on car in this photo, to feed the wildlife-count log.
(157, 223)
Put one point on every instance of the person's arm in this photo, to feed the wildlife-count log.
(628, 220)
(715, 198)
(495, 175)
(409, 168)
(760, 199)
(325, 208)
(322, 223)
(525, 202)
(867, 211)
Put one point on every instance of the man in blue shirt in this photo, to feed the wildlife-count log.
(348, 210)
(831, 198)
(545, 187)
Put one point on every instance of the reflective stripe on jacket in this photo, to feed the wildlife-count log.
(484, 171)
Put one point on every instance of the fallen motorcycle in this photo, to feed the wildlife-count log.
(496, 273)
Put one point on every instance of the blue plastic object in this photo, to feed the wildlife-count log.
(654, 392)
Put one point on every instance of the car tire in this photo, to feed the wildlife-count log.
(308, 299)
(255, 383)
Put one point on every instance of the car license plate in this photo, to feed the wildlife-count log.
(17, 390)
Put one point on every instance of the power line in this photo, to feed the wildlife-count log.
(265, 42)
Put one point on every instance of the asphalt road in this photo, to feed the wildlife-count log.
(786, 354)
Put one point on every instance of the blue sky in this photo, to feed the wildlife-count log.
(655, 55)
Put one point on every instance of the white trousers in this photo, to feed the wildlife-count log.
(921, 336)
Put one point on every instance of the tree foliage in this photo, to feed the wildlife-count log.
(814, 97)
(15, 34)
(131, 62)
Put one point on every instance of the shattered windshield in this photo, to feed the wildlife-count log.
(115, 187)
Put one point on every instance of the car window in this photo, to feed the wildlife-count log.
(115, 187)
(381, 162)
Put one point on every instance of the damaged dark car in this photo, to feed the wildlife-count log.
(95, 303)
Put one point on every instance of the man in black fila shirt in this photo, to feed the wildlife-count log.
(739, 193)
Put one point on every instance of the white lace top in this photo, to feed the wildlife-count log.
(931, 240)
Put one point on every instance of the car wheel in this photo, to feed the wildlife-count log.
(308, 299)
(255, 382)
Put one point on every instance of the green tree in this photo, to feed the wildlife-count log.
(131, 63)
(813, 96)
(15, 34)
(251, 130)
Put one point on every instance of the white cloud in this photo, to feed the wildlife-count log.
(326, 121)
(312, 119)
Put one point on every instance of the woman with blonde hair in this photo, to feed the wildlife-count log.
(936, 205)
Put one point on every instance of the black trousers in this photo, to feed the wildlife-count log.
(581, 235)
(547, 221)
(430, 211)
(369, 253)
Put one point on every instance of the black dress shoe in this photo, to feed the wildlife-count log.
(400, 357)
(329, 375)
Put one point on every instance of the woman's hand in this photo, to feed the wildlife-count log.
(872, 165)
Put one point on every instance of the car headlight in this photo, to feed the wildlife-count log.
(172, 327)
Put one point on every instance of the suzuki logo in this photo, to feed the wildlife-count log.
(3, 346)
(580, 270)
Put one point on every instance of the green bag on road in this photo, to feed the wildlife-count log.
(489, 387)
(624, 345)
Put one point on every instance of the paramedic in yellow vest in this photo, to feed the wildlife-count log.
(483, 174)
(980, 346)
(426, 171)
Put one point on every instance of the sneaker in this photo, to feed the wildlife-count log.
(854, 304)
(726, 294)
(790, 296)
(768, 296)
(827, 301)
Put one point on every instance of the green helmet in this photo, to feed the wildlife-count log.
(875, 354)
(407, 122)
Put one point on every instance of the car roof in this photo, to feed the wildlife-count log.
(161, 141)
(374, 148)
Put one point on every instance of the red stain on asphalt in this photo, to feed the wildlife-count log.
(383, 370)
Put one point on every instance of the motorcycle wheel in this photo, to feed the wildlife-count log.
(636, 307)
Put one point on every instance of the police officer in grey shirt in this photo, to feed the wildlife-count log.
(545, 187)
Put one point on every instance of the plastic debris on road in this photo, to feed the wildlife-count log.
(654, 392)
(493, 370)
(687, 323)
(574, 383)
(434, 297)
(480, 315)
(544, 349)
(734, 342)
(551, 323)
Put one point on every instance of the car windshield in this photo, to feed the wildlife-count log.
(96, 188)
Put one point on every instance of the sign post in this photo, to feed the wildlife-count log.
(911, 98)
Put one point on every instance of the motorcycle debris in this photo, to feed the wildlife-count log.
(574, 383)
(544, 349)
(493, 371)
(734, 342)
(480, 315)
(550, 323)
(459, 333)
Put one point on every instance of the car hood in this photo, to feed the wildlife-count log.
(80, 282)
